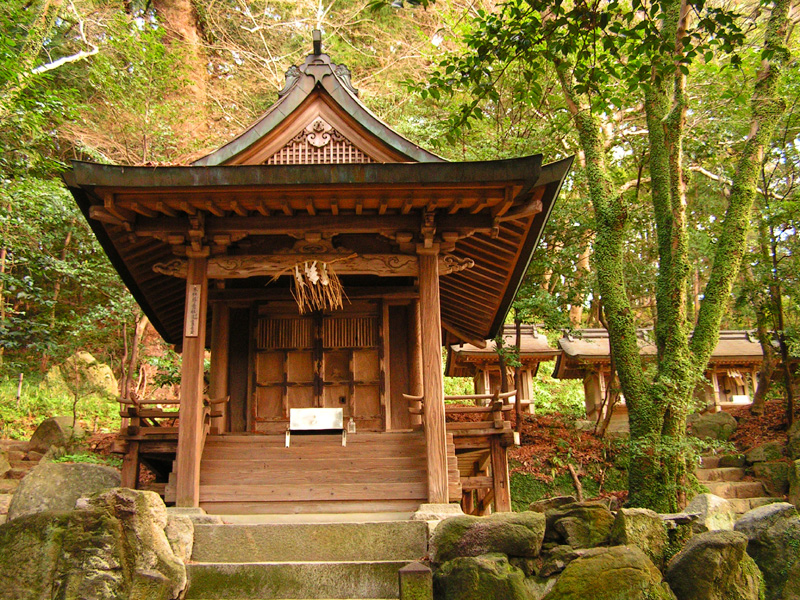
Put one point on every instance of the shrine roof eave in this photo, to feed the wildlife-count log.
(525, 169)
(162, 299)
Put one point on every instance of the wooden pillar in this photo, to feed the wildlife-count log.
(190, 433)
(500, 478)
(432, 377)
(218, 384)
(129, 474)
(415, 357)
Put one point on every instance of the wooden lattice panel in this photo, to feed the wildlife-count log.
(285, 333)
(319, 143)
(350, 332)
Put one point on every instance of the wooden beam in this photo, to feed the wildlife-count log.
(300, 223)
(245, 266)
(191, 432)
(432, 379)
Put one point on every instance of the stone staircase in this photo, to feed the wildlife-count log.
(302, 560)
(22, 462)
(732, 484)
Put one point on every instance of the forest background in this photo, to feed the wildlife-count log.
(166, 81)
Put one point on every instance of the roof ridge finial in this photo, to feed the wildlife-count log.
(316, 37)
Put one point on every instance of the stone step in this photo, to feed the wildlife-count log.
(736, 489)
(20, 472)
(311, 580)
(742, 505)
(709, 462)
(18, 445)
(8, 486)
(720, 474)
(307, 542)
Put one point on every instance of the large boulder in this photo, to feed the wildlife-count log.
(480, 578)
(113, 548)
(793, 442)
(713, 426)
(642, 528)
(716, 513)
(774, 475)
(715, 566)
(55, 432)
(580, 525)
(57, 486)
(773, 540)
(794, 483)
(769, 451)
(512, 534)
(616, 573)
(84, 371)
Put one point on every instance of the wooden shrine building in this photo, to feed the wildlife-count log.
(731, 373)
(247, 252)
(482, 363)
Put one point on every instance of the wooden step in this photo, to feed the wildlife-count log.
(313, 492)
(311, 476)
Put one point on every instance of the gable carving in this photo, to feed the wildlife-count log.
(318, 143)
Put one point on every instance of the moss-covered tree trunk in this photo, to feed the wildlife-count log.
(658, 406)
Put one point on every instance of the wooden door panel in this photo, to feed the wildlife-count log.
(269, 403)
(300, 367)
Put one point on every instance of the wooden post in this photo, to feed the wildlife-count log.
(129, 474)
(218, 384)
(190, 432)
(415, 358)
(432, 377)
(500, 479)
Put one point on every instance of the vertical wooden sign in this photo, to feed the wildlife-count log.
(192, 326)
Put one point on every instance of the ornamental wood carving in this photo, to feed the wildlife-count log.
(318, 143)
(383, 265)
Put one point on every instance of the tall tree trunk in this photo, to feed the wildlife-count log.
(181, 19)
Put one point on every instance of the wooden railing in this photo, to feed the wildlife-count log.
(482, 460)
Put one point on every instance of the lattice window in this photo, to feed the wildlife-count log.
(350, 332)
(285, 333)
(319, 143)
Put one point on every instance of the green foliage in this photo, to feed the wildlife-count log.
(90, 458)
(550, 395)
(18, 420)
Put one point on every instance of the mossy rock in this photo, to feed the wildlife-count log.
(57, 486)
(713, 426)
(715, 566)
(716, 513)
(794, 483)
(5, 466)
(642, 528)
(512, 534)
(580, 525)
(773, 541)
(114, 548)
(54, 432)
(728, 461)
(616, 573)
(771, 451)
(480, 578)
(774, 475)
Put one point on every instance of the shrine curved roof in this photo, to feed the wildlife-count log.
(319, 77)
